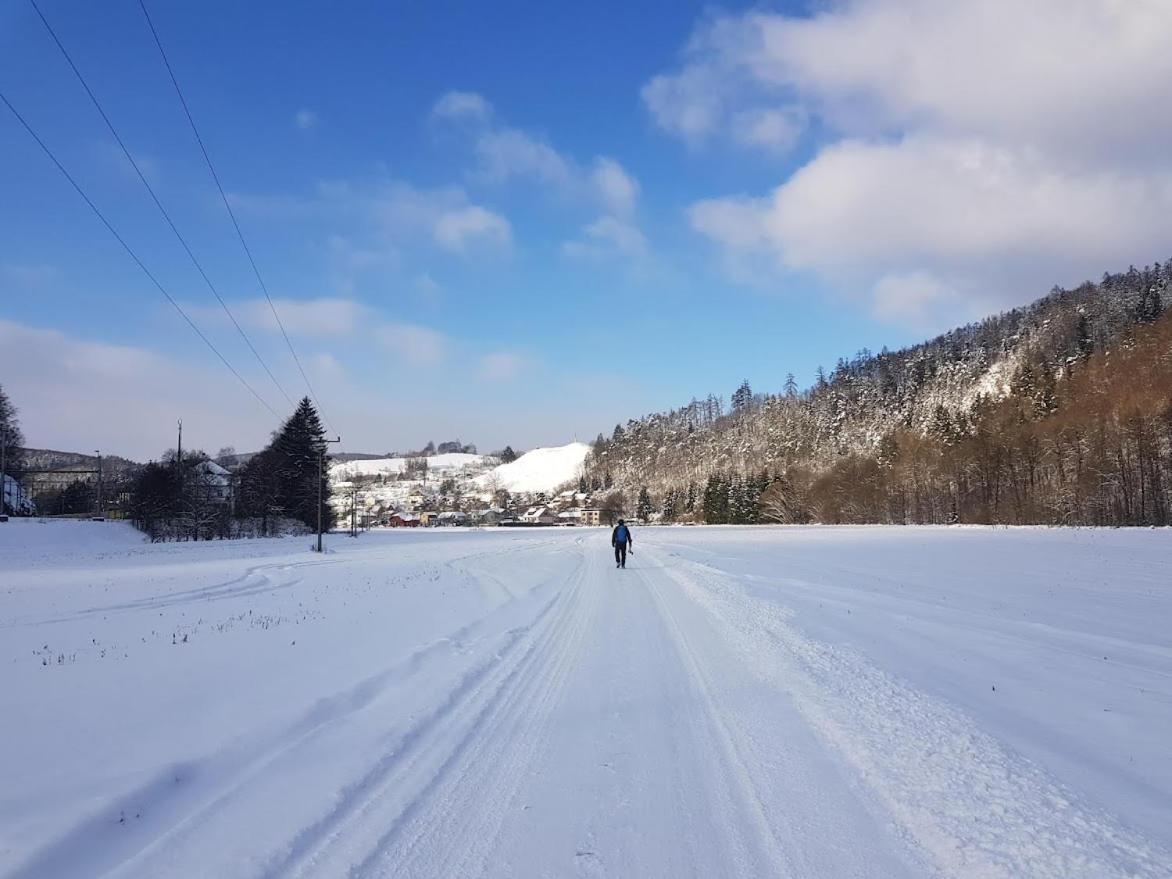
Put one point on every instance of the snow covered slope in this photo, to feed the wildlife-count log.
(800, 702)
(540, 470)
(441, 465)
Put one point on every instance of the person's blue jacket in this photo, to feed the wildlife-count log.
(621, 535)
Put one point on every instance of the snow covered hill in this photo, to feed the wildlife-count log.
(539, 470)
(450, 464)
(386, 485)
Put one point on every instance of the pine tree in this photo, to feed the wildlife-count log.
(644, 508)
(1085, 342)
(296, 450)
(12, 438)
(791, 385)
(508, 456)
(670, 505)
(716, 500)
(742, 397)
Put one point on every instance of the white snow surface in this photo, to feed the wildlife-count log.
(540, 469)
(796, 702)
(448, 463)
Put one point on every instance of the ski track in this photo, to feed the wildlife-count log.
(977, 808)
(664, 720)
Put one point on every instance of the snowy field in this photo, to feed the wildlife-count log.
(800, 702)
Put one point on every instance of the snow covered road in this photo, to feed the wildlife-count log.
(799, 702)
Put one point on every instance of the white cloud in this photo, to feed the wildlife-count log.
(414, 345)
(1075, 77)
(464, 228)
(442, 216)
(607, 236)
(913, 299)
(502, 366)
(305, 119)
(324, 317)
(509, 153)
(944, 206)
(504, 155)
(975, 152)
(461, 106)
(325, 364)
(772, 130)
(80, 395)
(688, 104)
(718, 91)
(617, 189)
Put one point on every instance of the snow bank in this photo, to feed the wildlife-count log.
(28, 542)
(541, 469)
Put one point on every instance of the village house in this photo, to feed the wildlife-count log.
(596, 516)
(539, 515)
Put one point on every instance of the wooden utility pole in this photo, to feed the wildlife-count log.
(179, 458)
(321, 457)
(98, 452)
(354, 512)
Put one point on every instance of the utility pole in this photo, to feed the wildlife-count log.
(4, 473)
(354, 512)
(179, 457)
(98, 452)
(321, 458)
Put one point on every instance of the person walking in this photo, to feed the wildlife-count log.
(622, 541)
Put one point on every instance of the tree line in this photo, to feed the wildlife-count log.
(1052, 413)
(1087, 442)
(283, 487)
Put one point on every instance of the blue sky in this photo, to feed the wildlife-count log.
(511, 226)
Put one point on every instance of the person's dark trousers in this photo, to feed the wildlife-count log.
(620, 554)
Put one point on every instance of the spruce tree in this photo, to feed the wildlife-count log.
(644, 508)
(12, 437)
(742, 396)
(670, 505)
(296, 449)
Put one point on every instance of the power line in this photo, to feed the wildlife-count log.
(134, 256)
(231, 214)
(166, 216)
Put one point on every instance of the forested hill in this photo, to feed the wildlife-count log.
(966, 427)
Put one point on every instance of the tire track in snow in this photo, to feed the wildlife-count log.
(180, 798)
(768, 854)
(372, 812)
(975, 807)
(473, 793)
